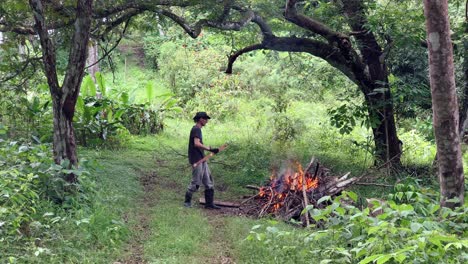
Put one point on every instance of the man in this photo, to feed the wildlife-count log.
(200, 172)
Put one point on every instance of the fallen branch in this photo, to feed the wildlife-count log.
(253, 187)
(375, 184)
(220, 203)
(304, 194)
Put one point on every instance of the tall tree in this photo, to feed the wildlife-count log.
(64, 96)
(444, 102)
(357, 54)
(53, 22)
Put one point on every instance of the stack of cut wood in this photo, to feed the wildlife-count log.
(289, 192)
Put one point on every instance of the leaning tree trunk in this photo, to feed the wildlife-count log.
(444, 102)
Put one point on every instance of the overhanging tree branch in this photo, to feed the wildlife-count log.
(150, 5)
(194, 30)
(25, 64)
(234, 56)
(123, 18)
(18, 29)
(108, 51)
(288, 44)
(313, 25)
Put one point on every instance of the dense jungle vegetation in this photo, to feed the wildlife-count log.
(120, 199)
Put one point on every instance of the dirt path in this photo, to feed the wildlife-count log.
(141, 231)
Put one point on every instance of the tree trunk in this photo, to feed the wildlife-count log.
(444, 103)
(64, 98)
(463, 126)
(373, 82)
(91, 60)
(387, 144)
(64, 135)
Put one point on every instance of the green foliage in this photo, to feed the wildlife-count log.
(19, 182)
(28, 115)
(105, 117)
(180, 67)
(139, 119)
(286, 127)
(411, 228)
(97, 120)
(345, 117)
(416, 149)
(42, 222)
(403, 21)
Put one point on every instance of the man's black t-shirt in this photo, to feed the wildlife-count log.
(195, 154)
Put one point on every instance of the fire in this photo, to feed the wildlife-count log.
(289, 182)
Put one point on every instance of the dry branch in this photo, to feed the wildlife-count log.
(220, 203)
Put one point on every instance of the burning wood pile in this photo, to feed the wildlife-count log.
(290, 191)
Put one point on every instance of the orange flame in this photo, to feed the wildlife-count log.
(290, 181)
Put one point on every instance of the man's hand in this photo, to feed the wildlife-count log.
(214, 150)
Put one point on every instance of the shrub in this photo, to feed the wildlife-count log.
(39, 216)
(411, 229)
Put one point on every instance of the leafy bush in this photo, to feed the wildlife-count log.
(103, 118)
(411, 228)
(181, 68)
(28, 115)
(23, 172)
(38, 216)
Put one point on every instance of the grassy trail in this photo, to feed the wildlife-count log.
(162, 230)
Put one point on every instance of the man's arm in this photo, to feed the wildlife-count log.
(199, 145)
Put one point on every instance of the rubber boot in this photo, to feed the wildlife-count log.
(209, 200)
(188, 199)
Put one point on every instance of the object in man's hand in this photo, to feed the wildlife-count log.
(214, 150)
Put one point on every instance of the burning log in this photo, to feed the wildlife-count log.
(287, 193)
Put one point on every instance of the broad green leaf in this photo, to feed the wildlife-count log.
(124, 98)
(149, 92)
(324, 198)
(370, 259)
(88, 87)
(80, 103)
(383, 259)
(272, 229)
(119, 113)
(101, 82)
(352, 195)
(256, 227)
(415, 227)
(399, 257)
